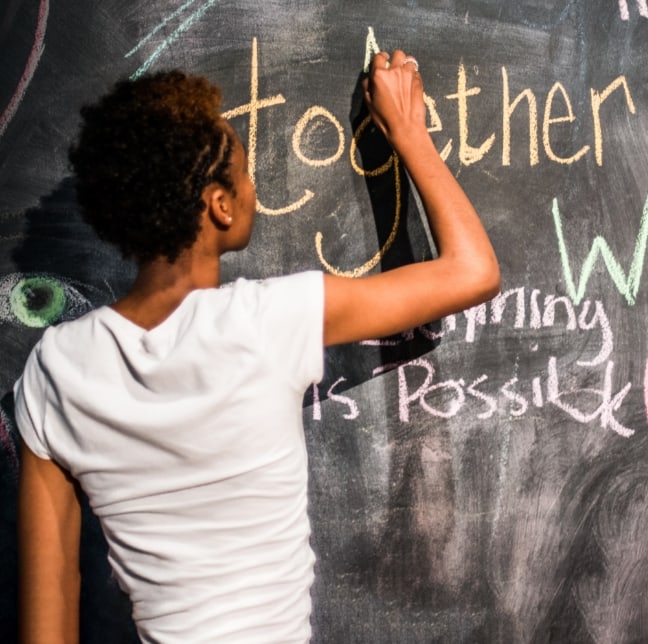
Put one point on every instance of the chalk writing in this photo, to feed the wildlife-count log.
(344, 400)
(371, 49)
(7, 443)
(549, 120)
(392, 161)
(591, 317)
(469, 154)
(597, 99)
(30, 67)
(40, 300)
(641, 5)
(628, 285)
(445, 399)
(308, 116)
(454, 398)
(371, 263)
(481, 396)
(184, 26)
(252, 108)
(159, 27)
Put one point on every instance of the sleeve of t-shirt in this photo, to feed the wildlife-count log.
(29, 395)
(292, 315)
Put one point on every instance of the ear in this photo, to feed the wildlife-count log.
(219, 205)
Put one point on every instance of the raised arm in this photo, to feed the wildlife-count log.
(49, 522)
(465, 273)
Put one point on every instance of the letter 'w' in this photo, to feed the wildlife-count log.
(628, 285)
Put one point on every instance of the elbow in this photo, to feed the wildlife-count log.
(484, 281)
(492, 279)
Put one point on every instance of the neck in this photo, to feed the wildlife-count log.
(160, 286)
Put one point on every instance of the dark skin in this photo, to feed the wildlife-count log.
(464, 274)
(226, 225)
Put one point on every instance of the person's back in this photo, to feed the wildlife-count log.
(185, 432)
(192, 454)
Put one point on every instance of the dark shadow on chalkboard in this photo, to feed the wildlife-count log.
(56, 240)
(350, 365)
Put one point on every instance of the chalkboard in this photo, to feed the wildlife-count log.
(480, 479)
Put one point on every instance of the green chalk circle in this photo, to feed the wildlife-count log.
(37, 301)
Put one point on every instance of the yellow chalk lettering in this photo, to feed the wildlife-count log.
(436, 125)
(548, 120)
(354, 147)
(507, 110)
(597, 100)
(367, 266)
(252, 108)
(467, 153)
(309, 115)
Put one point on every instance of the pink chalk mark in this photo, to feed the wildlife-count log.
(30, 67)
(8, 445)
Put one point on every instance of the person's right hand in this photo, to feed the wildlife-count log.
(393, 92)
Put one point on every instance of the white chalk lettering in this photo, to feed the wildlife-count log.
(446, 399)
(609, 404)
(575, 319)
(490, 401)
(521, 404)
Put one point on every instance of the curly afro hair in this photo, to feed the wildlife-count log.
(145, 153)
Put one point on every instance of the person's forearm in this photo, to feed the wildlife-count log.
(457, 230)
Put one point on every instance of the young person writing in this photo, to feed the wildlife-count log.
(178, 409)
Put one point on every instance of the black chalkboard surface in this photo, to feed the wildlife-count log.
(482, 479)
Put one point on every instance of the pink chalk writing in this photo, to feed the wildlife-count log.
(30, 67)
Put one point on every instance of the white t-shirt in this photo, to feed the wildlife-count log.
(188, 441)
